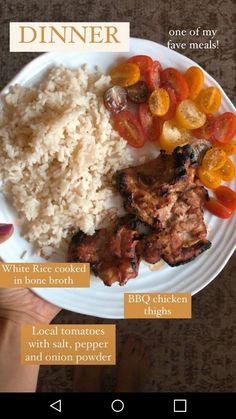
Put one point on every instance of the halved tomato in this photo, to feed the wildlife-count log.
(143, 61)
(209, 100)
(229, 148)
(216, 208)
(150, 124)
(210, 179)
(206, 132)
(214, 159)
(189, 116)
(125, 74)
(152, 76)
(172, 108)
(170, 77)
(115, 99)
(225, 127)
(226, 196)
(159, 102)
(173, 136)
(129, 128)
(195, 79)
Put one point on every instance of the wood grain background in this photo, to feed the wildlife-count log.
(187, 355)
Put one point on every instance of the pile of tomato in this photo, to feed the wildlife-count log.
(171, 109)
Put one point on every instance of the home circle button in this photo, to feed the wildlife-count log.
(117, 405)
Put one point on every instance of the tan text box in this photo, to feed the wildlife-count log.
(32, 275)
(65, 344)
(157, 305)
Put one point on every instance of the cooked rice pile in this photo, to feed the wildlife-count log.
(58, 154)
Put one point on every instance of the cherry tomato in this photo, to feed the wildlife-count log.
(172, 108)
(172, 136)
(214, 159)
(209, 100)
(159, 102)
(206, 132)
(150, 124)
(225, 127)
(216, 208)
(115, 99)
(227, 171)
(143, 61)
(229, 148)
(226, 196)
(138, 92)
(210, 179)
(129, 128)
(189, 116)
(170, 77)
(125, 74)
(152, 76)
(195, 79)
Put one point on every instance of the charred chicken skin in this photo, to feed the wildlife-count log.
(110, 251)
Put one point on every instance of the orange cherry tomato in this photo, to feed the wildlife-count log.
(125, 74)
(229, 148)
(209, 100)
(152, 76)
(214, 159)
(227, 171)
(225, 127)
(216, 208)
(226, 196)
(143, 61)
(170, 77)
(195, 79)
(189, 116)
(173, 136)
(210, 179)
(159, 102)
(129, 128)
(150, 124)
(172, 108)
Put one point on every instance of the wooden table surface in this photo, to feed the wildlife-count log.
(187, 355)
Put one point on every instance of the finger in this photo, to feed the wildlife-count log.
(6, 230)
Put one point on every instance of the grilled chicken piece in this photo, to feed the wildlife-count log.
(184, 237)
(110, 251)
(151, 190)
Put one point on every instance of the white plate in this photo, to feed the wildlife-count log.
(100, 300)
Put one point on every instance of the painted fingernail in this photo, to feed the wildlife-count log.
(5, 229)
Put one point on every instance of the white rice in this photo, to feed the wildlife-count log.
(58, 154)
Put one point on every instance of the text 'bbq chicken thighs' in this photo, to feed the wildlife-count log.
(110, 251)
(151, 189)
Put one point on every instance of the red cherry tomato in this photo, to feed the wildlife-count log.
(173, 103)
(170, 77)
(226, 196)
(206, 132)
(225, 127)
(129, 128)
(143, 61)
(150, 124)
(216, 208)
(152, 76)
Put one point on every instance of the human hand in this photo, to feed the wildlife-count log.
(22, 305)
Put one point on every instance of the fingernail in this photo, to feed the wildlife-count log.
(5, 229)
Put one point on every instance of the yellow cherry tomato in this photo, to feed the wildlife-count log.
(195, 79)
(125, 74)
(173, 136)
(189, 116)
(229, 148)
(227, 171)
(214, 159)
(210, 179)
(159, 102)
(209, 100)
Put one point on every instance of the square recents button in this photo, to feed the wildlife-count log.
(180, 405)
